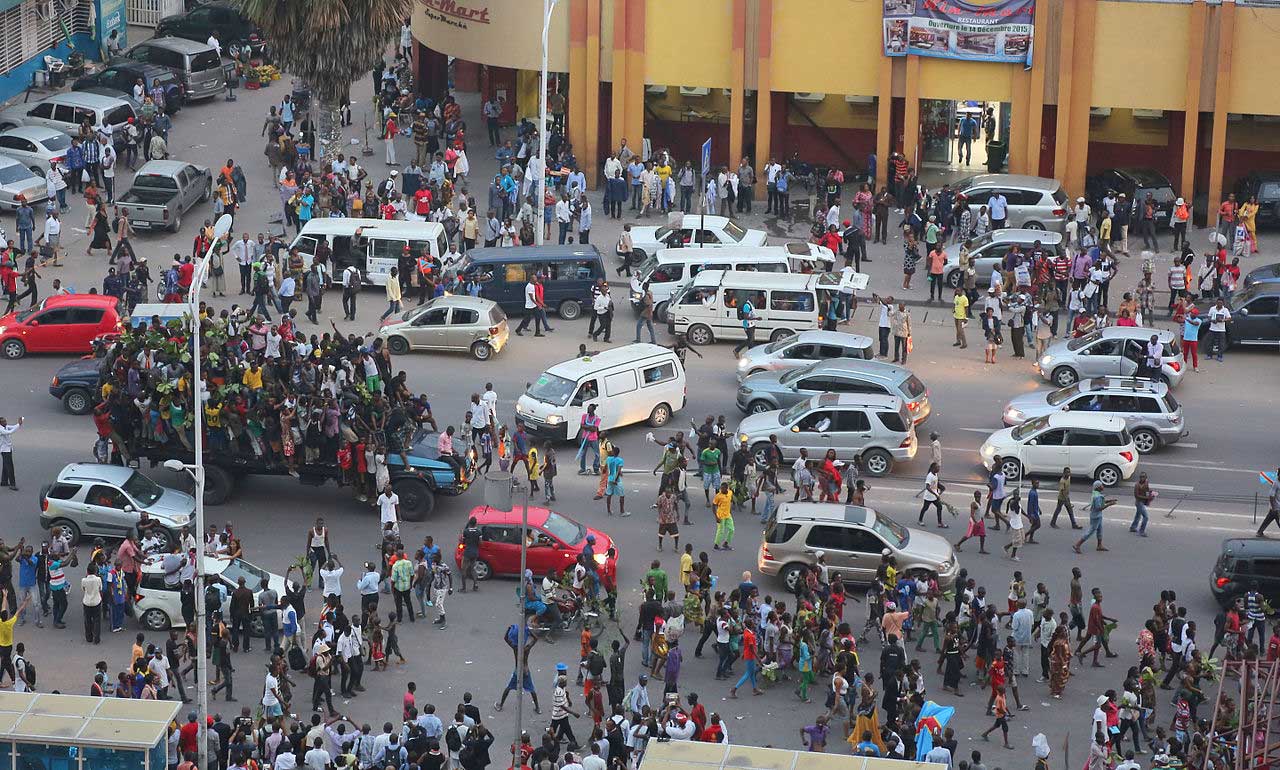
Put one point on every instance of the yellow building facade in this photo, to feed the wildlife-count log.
(1181, 86)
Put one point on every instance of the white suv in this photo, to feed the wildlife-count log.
(1089, 443)
(158, 607)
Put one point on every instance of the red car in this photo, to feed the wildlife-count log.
(556, 541)
(66, 323)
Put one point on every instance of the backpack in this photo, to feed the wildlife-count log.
(744, 311)
(451, 738)
(27, 669)
(297, 659)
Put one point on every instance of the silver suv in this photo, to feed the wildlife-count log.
(1151, 413)
(1112, 351)
(874, 429)
(986, 251)
(107, 500)
(853, 539)
(766, 391)
(1034, 202)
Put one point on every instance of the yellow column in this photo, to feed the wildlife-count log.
(1221, 98)
(579, 84)
(1081, 97)
(737, 98)
(1016, 140)
(1191, 119)
(591, 90)
(884, 121)
(764, 94)
(618, 91)
(911, 115)
(635, 71)
(1066, 62)
(1035, 95)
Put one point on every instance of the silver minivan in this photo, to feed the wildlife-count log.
(1034, 202)
(198, 64)
(1151, 413)
(69, 110)
(769, 390)
(876, 430)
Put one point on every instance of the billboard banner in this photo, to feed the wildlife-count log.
(971, 30)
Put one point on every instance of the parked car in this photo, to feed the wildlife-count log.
(1265, 274)
(555, 541)
(1246, 563)
(67, 325)
(873, 430)
(98, 500)
(803, 349)
(1094, 445)
(19, 183)
(1154, 417)
(780, 389)
(36, 146)
(1266, 186)
(1034, 202)
(1110, 351)
(162, 191)
(990, 249)
(456, 322)
(76, 384)
(692, 231)
(196, 63)
(235, 31)
(1255, 317)
(159, 607)
(119, 77)
(1135, 183)
(68, 111)
(854, 540)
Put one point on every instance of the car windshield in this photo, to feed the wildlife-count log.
(891, 531)
(980, 242)
(1087, 339)
(774, 347)
(794, 413)
(552, 389)
(56, 143)
(239, 568)
(409, 315)
(142, 489)
(647, 266)
(661, 234)
(566, 530)
(15, 173)
(734, 231)
(1063, 394)
(1029, 427)
(25, 314)
(205, 60)
(796, 374)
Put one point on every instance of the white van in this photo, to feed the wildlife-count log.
(706, 309)
(373, 245)
(628, 384)
(669, 269)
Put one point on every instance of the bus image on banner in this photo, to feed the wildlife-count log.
(972, 30)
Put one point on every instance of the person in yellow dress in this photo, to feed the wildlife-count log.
(722, 503)
(1247, 214)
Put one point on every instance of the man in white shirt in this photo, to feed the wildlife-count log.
(564, 217)
(317, 758)
(389, 508)
(490, 400)
(331, 577)
(1219, 316)
(107, 153)
(214, 43)
(531, 292)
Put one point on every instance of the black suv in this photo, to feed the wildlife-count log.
(1135, 183)
(1265, 185)
(236, 32)
(119, 76)
(1246, 563)
(1255, 317)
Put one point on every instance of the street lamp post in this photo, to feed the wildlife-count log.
(196, 469)
(547, 7)
(498, 493)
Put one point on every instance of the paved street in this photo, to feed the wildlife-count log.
(1206, 485)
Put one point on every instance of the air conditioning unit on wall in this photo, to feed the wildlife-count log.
(657, 90)
(1148, 114)
(694, 91)
(855, 99)
(1099, 112)
(812, 97)
(728, 92)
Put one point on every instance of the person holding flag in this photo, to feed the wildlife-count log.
(1273, 499)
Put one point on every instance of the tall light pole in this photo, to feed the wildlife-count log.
(500, 488)
(547, 7)
(196, 469)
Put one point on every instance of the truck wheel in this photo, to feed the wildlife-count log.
(660, 311)
(416, 498)
(570, 309)
(660, 416)
(700, 334)
(77, 401)
(218, 485)
(177, 223)
(398, 345)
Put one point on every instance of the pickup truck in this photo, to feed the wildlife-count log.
(162, 192)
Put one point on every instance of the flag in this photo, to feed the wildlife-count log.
(932, 717)
(1266, 479)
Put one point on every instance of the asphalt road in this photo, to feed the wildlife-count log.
(1226, 407)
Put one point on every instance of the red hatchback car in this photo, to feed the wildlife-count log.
(555, 542)
(66, 323)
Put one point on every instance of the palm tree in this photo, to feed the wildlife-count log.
(329, 44)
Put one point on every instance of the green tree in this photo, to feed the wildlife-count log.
(329, 44)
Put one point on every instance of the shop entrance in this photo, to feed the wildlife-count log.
(942, 122)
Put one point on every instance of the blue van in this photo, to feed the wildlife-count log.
(568, 274)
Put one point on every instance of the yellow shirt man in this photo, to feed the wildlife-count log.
(723, 505)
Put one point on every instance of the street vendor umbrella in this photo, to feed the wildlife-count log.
(932, 717)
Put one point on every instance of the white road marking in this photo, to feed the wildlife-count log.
(1174, 487)
(979, 430)
(1198, 467)
(1183, 445)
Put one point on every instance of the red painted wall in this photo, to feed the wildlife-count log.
(684, 139)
